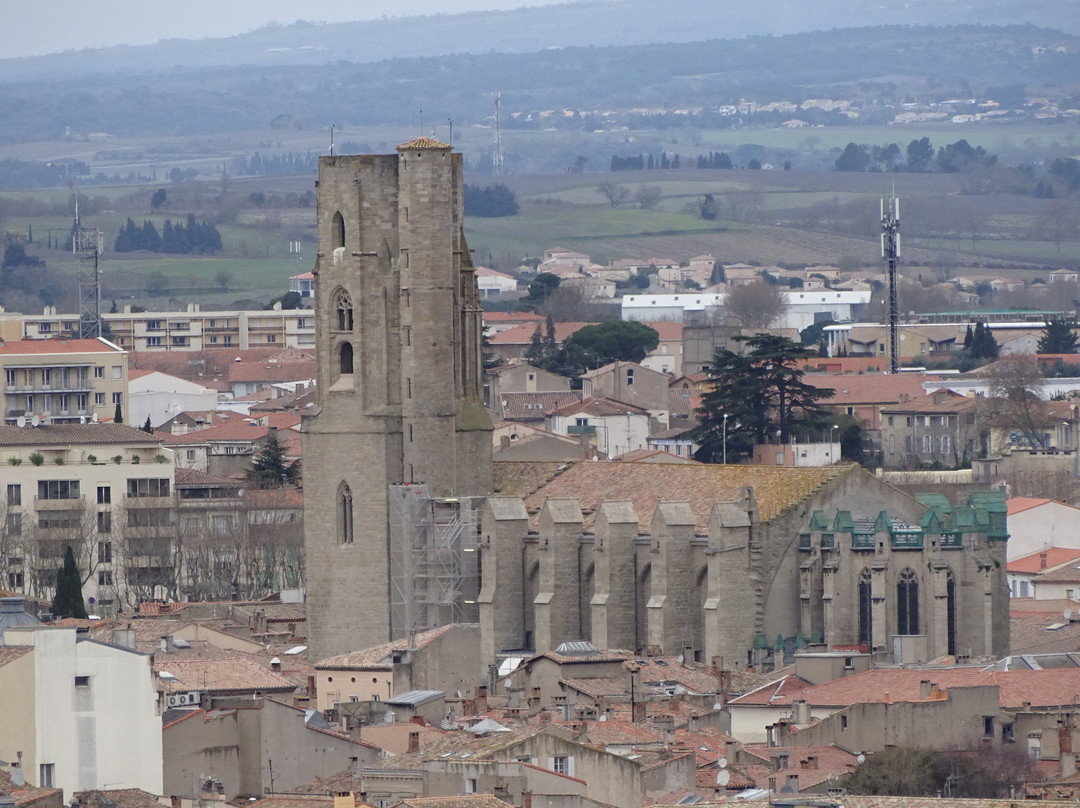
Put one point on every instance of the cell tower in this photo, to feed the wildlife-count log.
(88, 243)
(497, 154)
(890, 251)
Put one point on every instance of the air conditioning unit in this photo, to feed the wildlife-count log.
(191, 699)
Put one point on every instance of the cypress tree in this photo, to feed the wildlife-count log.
(68, 601)
(118, 414)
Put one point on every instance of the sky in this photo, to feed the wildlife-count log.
(34, 28)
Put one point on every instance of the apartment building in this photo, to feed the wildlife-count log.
(63, 380)
(188, 330)
(105, 490)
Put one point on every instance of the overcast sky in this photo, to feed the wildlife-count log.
(31, 27)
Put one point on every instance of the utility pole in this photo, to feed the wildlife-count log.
(497, 154)
(890, 251)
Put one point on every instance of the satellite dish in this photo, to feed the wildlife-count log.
(680, 659)
(21, 421)
(93, 418)
(36, 420)
(860, 758)
(603, 717)
(723, 777)
(722, 763)
(1067, 614)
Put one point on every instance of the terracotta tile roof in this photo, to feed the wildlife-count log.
(1066, 573)
(512, 317)
(121, 797)
(225, 675)
(934, 404)
(193, 477)
(1043, 560)
(847, 364)
(599, 406)
(667, 329)
(373, 658)
(1031, 633)
(230, 431)
(25, 795)
(57, 346)
(302, 801)
(423, 143)
(1043, 688)
(9, 653)
(220, 365)
(1015, 505)
(876, 388)
(781, 691)
(522, 334)
(463, 801)
(64, 434)
(268, 373)
(534, 406)
(701, 485)
(652, 456)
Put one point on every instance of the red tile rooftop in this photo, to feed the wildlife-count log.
(1015, 505)
(1043, 560)
(57, 346)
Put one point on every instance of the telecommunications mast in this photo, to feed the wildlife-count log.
(890, 251)
(497, 154)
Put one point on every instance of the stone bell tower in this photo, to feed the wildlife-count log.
(400, 375)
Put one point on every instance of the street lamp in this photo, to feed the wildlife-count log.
(725, 438)
(832, 432)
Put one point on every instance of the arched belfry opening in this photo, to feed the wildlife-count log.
(345, 359)
(343, 310)
(337, 231)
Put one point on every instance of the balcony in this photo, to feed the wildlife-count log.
(68, 504)
(862, 541)
(581, 429)
(906, 541)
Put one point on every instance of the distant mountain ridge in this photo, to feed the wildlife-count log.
(591, 23)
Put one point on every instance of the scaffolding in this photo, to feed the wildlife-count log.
(433, 560)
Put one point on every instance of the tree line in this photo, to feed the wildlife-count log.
(491, 201)
(642, 163)
(199, 238)
(276, 164)
(921, 157)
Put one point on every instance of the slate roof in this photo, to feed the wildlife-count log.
(646, 484)
(67, 434)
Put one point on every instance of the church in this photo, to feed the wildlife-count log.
(703, 560)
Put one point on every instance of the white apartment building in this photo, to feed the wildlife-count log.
(63, 380)
(804, 306)
(188, 330)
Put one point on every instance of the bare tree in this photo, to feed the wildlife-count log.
(648, 196)
(1014, 401)
(756, 305)
(146, 553)
(615, 194)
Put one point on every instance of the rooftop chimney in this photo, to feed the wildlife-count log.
(924, 689)
(1042, 561)
(414, 741)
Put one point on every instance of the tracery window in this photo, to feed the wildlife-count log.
(907, 602)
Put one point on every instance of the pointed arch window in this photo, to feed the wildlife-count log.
(343, 310)
(907, 602)
(866, 613)
(345, 359)
(337, 231)
(345, 514)
(950, 612)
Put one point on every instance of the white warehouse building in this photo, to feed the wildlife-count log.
(804, 307)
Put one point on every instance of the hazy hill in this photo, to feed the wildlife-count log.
(592, 23)
(881, 65)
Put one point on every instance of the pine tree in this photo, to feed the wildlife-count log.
(68, 601)
(1058, 337)
(269, 468)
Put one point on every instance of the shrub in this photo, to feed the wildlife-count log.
(37, 458)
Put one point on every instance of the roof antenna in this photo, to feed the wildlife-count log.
(451, 122)
(421, 121)
(332, 140)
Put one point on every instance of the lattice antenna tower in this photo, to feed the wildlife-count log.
(497, 161)
(88, 243)
(890, 251)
